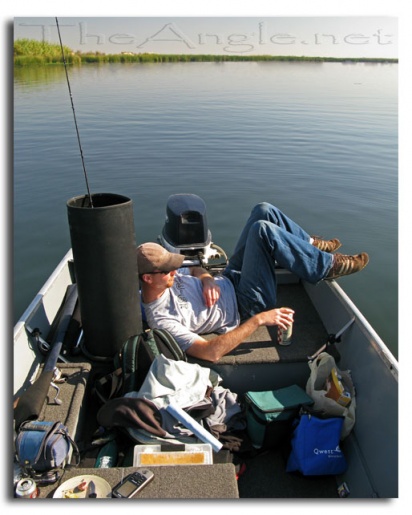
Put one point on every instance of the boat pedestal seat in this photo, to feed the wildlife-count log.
(260, 363)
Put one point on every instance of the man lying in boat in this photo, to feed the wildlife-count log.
(189, 302)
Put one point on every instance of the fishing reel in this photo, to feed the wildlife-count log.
(186, 232)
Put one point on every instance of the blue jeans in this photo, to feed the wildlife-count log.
(270, 237)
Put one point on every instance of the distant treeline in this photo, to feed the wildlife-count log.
(32, 52)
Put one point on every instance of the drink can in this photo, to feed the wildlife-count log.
(26, 488)
(285, 335)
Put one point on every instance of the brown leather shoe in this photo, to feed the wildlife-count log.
(326, 245)
(346, 265)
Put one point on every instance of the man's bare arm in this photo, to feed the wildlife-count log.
(215, 348)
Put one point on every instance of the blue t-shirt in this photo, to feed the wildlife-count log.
(182, 311)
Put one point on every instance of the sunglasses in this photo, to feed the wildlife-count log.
(162, 272)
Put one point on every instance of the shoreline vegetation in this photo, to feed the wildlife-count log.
(30, 52)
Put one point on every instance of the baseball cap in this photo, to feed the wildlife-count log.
(152, 257)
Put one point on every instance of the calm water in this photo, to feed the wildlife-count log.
(318, 140)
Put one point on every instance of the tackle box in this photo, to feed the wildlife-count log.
(270, 414)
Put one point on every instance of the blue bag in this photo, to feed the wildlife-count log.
(315, 446)
(43, 449)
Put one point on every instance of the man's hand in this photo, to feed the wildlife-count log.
(282, 317)
(211, 291)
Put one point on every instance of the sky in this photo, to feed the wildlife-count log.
(324, 36)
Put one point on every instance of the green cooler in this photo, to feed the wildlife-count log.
(270, 414)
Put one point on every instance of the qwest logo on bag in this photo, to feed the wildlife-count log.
(332, 453)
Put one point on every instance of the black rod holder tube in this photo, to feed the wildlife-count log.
(105, 266)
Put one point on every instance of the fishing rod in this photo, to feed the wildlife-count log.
(30, 403)
(74, 115)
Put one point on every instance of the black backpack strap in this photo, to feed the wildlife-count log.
(171, 344)
(108, 386)
(129, 362)
(150, 340)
